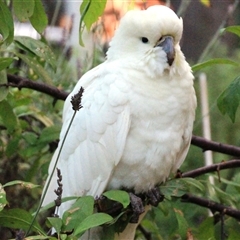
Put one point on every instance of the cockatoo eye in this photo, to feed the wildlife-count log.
(144, 40)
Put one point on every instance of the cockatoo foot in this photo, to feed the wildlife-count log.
(154, 196)
(137, 207)
(178, 174)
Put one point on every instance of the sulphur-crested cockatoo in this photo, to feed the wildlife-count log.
(138, 110)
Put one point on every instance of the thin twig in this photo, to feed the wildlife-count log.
(21, 82)
(51, 176)
(223, 234)
(146, 234)
(212, 168)
(75, 98)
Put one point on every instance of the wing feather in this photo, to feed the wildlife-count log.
(96, 139)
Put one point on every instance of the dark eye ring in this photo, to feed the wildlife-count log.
(144, 40)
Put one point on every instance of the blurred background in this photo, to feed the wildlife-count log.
(203, 39)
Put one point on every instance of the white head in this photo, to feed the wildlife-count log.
(147, 36)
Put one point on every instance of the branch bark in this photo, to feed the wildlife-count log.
(212, 168)
(215, 146)
(21, 82)
(213, 206)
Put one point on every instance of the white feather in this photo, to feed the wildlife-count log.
(136, 122)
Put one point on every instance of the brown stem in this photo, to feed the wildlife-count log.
(214, 206)
(21, 82)
(212, 168)
(215, 146)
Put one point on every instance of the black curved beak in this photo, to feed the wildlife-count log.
(167, 44)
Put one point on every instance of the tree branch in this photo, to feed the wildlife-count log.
(21, 82)
(212, 168)
(214, 206)
(215, 146)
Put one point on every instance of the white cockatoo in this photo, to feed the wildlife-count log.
(136, 123)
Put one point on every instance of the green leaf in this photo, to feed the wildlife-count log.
(3, 200)
(5, 62)
(3, 80)
(18, 219)
(233, 29)
(228, 101)
(91, 221)
(31, 150)
(13, 145)
(182, 223)
(195, 183)
(206, 229)
(94, 10)
(233, 233)
(67, 237)
(38, 48)
(27, 185)
(23, 9)
(206, 3)
(56, 223)
(223, 196)
(30, 137)
(211, 62)
(90, 11)
(233, 229)
(174, 188)
(52, 204)
(81, 209)
(8, 117)
(6, 24)
(49, 134)
(40, 237)
(223, 180)
(119, 196)
(109, 232)
(35, 65)
(164, 207)
(39, 18)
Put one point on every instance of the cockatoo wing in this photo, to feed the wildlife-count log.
(96, 139)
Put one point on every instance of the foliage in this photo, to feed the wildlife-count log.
(229, 100)
(90, 12)
(30, 127)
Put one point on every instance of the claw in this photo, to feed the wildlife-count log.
(155, 196)
(178, 174)
(137, 207)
